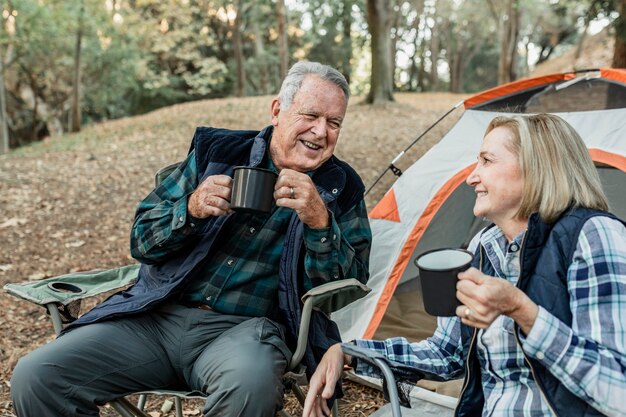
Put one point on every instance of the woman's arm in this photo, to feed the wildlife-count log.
(589, 358)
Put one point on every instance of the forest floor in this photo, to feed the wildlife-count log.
(66, 204)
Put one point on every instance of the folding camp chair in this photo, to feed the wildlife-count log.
(62, 297)
(399, 387)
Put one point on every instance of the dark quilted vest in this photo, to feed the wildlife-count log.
(550, 246)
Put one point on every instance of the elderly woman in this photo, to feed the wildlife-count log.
(542, 326)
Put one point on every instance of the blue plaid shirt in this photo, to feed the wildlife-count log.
(241, 275)
(589, 358)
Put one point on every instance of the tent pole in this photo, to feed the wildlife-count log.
(397, 170)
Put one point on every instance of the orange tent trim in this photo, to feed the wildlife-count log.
(411, 243)
(515, 86)
(616, 74)
(387, 208)
(612, 159)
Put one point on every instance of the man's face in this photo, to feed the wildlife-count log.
(306, 133)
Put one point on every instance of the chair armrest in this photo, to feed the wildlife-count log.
(66, 289)
(335, 295)
(327, 298)
(381, 362)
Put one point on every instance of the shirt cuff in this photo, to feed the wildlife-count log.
(184, 222)
(323, 240)
(548, 339)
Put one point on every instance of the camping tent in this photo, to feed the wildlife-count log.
(430, 206)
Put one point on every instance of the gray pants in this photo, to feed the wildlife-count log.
(237, 361)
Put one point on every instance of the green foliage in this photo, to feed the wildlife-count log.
(139, 55)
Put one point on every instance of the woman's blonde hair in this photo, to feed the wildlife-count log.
(557, 169)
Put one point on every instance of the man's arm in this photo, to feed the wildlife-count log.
(340, 250)
(162, 224)
(336, 248)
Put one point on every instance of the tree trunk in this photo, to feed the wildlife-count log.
(619, 52)
(283, 48)
(381, 78)
(434, 57)
(507, 18)
(456, 67)
(259, 54)
(414, 69)
(346, 21)
(75, 113)
(513, 36)
(240, 86)
(4, 125)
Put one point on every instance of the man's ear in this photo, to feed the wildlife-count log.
(275, 111)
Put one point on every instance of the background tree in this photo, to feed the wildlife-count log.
(378, 19)
(619, 53)
(507, 15)
(283, 47)
(75, 112)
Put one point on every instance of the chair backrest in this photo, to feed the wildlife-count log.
(165, 172)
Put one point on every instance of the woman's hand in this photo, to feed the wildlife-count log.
(484, 298)
(322, 383)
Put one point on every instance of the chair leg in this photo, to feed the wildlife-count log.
(127, 409)
(141, 402)
(178, 404)
(297, 391)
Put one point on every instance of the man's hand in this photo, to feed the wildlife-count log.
(323, 381)
(211, 198)
(296, 190)
(484, 298)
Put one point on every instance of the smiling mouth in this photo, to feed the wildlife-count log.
(311, 145)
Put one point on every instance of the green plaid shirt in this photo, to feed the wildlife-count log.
(240, 276)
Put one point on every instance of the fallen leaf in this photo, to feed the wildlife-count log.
(75, 244)
(36, 276)
(13, 222)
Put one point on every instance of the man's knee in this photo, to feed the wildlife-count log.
(32, 373)
(36, 386)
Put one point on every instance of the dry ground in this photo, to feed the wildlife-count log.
(66, 204)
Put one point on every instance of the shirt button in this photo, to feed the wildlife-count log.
(323, 240)
(335, 191)
(180, 219)
(252, 230)
(334, 237)
(209, 298)
(514, 247)
(192, 225)
(230, 262)
(540, 355)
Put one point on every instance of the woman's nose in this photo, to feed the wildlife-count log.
(472, 178)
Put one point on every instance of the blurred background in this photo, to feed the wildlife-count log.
(65, 64)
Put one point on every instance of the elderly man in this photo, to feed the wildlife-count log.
(208, 311)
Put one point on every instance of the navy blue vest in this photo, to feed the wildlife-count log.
(550, 246)
(218, 151)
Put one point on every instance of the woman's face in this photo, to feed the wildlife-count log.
(497, 179)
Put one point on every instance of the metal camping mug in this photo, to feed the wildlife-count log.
(253, 190)
(438, 271)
